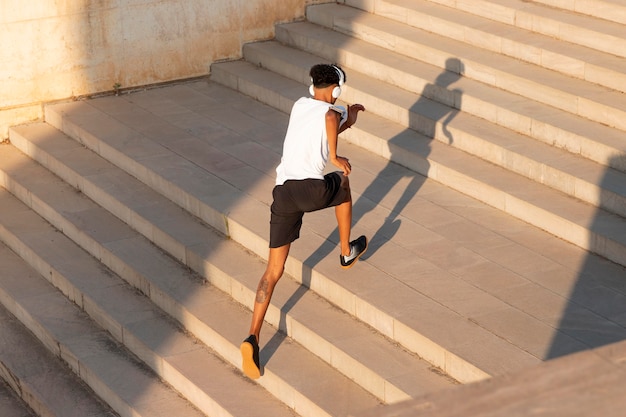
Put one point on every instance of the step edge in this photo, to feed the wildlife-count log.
(194, 259)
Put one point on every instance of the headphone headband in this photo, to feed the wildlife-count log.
(340, 74)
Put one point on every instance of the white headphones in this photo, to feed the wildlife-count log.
(337, 90)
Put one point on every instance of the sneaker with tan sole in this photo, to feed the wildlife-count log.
(250, 357)
(357, 248)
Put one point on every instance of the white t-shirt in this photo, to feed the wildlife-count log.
(305, 150)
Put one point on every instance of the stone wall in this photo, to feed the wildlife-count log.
(58, 49)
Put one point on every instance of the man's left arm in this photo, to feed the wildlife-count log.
(353, 113)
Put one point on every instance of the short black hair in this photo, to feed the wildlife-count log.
(323, 75)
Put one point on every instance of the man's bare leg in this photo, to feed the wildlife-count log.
(273, 272)
(343, 213)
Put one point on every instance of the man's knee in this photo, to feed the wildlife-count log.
(273, 274)
(345, 182)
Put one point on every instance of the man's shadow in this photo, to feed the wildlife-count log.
(429, 117)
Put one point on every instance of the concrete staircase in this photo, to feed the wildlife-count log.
(489, 174)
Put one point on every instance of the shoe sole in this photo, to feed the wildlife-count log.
(248, 366)
(357, 258)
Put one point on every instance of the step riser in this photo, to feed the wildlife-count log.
(519, 208)
(525, 20)
(96, 312)
(167, 369)
(502, 156)
(602, 9)
(482, 72)
(374, 383)
(545, 132)
(10, 301)
(166, 188)
(30, 370)
(558, 226)
(520, 18)
(439, 356)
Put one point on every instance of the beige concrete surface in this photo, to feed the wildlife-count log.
(132, 319)
(480, 26)
(11, 405)
(532, 278)
(45, 385)
(400, 378)
(459, 271)
(499, 255)
(54, 50)
(483, 128)
(41, 379)
(540, 82)
(553, 211)
(176, 98)
(580, 385)
(534, 119)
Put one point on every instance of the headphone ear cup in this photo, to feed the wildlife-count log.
(336, 92)
(311, 90)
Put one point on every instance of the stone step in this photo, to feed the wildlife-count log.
(245, 227)
(583, 384)
(134, 321)
(11, 405)
(432, 248)
(180, 233)
(603, 104)
(530, 201)
(67, 332)
(613, 10)
(205, 311)
(38, 383)
(554, 127)
(505, 25)
(538, 161)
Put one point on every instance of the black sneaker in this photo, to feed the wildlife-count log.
(250, 356)
(357, 248)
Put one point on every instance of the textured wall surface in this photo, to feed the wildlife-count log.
(58, 49)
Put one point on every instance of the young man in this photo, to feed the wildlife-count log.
(301, 187)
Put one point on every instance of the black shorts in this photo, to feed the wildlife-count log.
(296, 197)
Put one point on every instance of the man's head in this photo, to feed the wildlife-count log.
(324, 76)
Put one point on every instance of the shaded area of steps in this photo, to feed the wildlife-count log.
(44, 385)
(225, 265)
(489, 168)
(10, 404)
(528, 165)
(68, 158)
(67, 332)
(138, 323)
(158, 219)
(351, 290)
(583, 384)
(449, 211)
